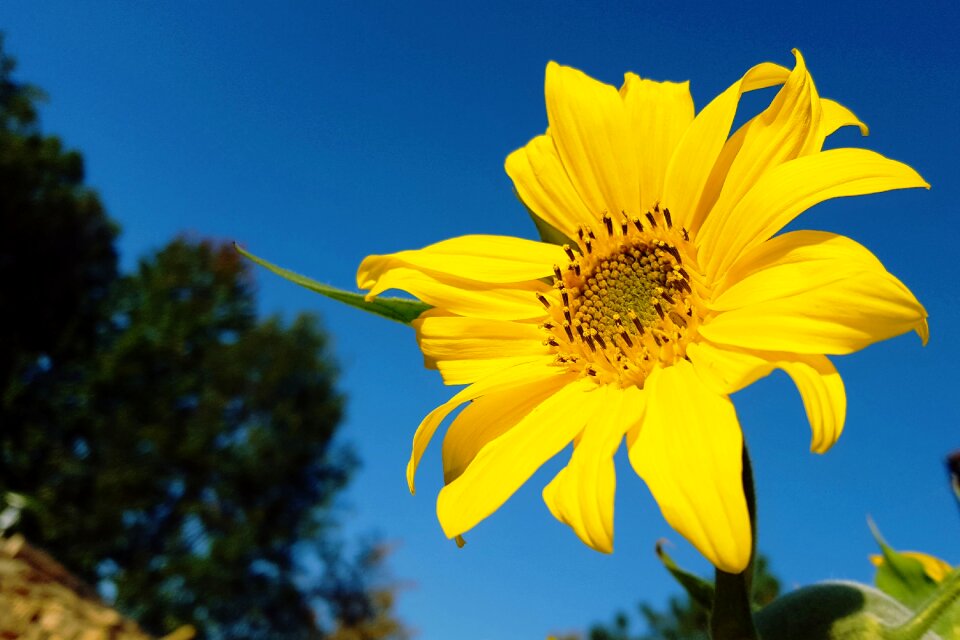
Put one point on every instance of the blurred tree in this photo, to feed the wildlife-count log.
(171, 448)
(54, 225)
(684, 618)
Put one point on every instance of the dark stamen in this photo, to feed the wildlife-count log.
(653, 221)
(543, 300)
(666, 217)
(569, 252)
(608, 221)
(659, 310)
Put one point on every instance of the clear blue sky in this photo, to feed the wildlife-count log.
(316, 133)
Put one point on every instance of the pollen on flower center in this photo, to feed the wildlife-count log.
(628, 299)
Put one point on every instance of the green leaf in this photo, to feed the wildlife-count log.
(699, 590)
(396, 309)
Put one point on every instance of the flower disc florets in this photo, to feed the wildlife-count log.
(628, 299)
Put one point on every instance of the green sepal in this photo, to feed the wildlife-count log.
(900, 576)
(700, 591)
(396, 309)
(904, 579)
(547, 232)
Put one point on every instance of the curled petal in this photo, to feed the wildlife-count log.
(824, 398)
(697, 151)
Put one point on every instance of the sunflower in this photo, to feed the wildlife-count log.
(667, 291)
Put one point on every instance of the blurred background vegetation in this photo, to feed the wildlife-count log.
(166, 444)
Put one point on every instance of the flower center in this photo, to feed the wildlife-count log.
(630, 298)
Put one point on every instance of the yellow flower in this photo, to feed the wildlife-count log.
(935, 568)
(672, 293)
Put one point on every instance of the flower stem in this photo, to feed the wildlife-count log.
(732, 617)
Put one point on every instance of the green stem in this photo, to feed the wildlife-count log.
(915, 627)
(732, 617)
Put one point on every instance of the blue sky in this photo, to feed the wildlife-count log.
(317, 133)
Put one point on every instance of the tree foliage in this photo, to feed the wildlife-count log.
(171, 447)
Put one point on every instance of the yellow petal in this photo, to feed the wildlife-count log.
(465, 297)
(697, 151)
(835, 115)
(823, 395)
(507, 462)
(793, 187)
(588, 123)
(689, 452)
(496, 259)
(935, 568)
(527, 373)
(487, 418)
(466, 349)
(582, 493)
(812, 292)
(787, 129)
(659, 114)
(458, 338)
(545, 188)
(727, 370)
(468, 371)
